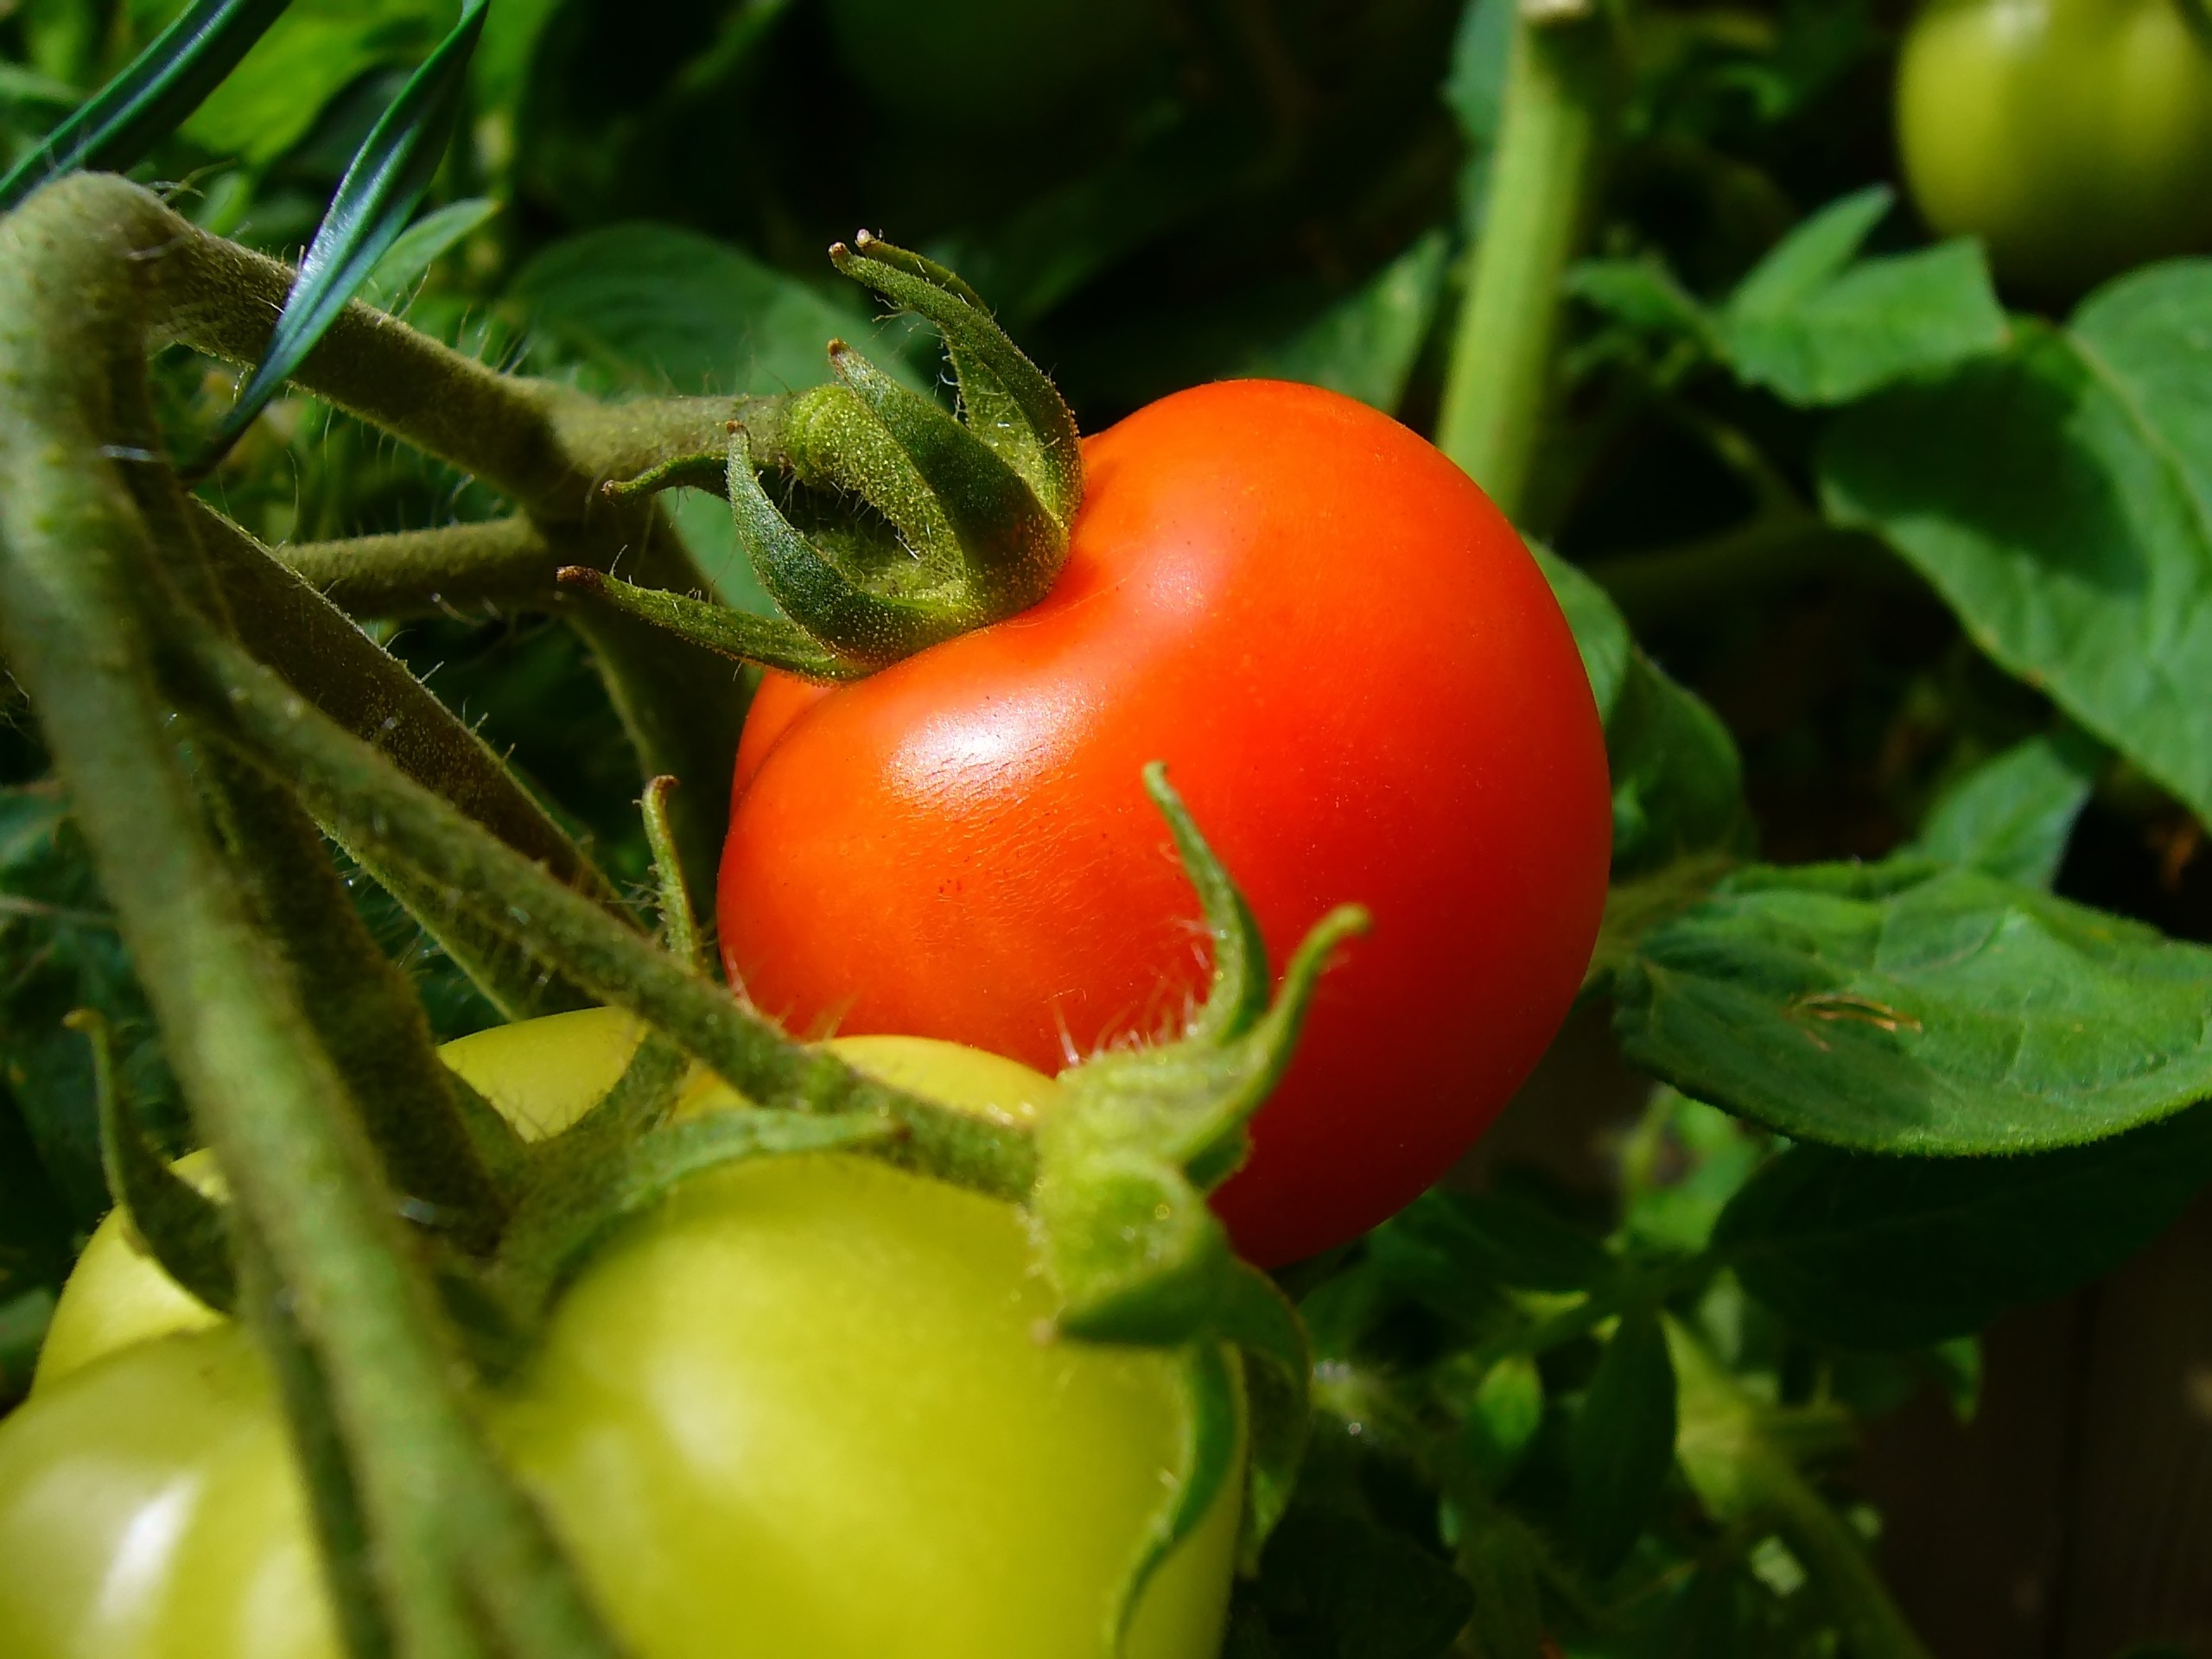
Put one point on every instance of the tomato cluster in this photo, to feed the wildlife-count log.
(803, 1405)
(800, 1409)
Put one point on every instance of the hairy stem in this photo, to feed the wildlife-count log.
(329, 661)
(546, 446)
(1741, 1476)
(397, 821)
(507, 563)
(80, 587)
(1558, 95)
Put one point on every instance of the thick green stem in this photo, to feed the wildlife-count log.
(507, 563)
(1741, 1476)
(546, 446)
(323, 657)
(1558, 96)
(373, 805)
(78, 576)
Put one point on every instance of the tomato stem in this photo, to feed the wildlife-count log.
(504, 563)
(81, 590)
(1741, 1474)
(373, 805)
(546, 446)
(1558, 105)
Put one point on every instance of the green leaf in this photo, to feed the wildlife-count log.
(1643, 295)
(1678, 782)
(1897, 1253)
(1913, 1007)
(1365, 346)
(1505, 1565)
(1495, 1238)
(315, 52)
(1600, 631)
(1677, 778)
(2059, 497)
(61, 952)
(23, 1320)
(1682, 1166)
(34, 1232)
(117, 126)
(1817, 329)
(1333, 1585)
(653, 307)
(1501, 1419)
(420, 246)
(378, 193)
(1623, 1442)
(1812, 256)
(2013, 815)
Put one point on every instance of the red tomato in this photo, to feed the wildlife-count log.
(1362, 686)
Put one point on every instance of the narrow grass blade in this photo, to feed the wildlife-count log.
(118, 124)
(374, 201)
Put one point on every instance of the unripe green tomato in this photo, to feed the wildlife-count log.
(806, 1406)
(2073, 136)
(542, 1075)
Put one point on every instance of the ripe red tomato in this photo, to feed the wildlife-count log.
(1362, 686)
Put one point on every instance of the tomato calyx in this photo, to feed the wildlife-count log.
(1120, 1209)
(1124, 1169)
(880, 523)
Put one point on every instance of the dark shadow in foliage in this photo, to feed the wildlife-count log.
(1333, 1585)
(1897, 1253)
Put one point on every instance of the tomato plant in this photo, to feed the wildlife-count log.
(2073, 136)
(1361, 682)
(800, 1408)
(337, 651)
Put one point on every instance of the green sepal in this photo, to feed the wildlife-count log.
(185, 1230)
(1137, 1256)
(1009, 549)
(702, 471)
(1124, 1163)
(503, 1152)
(1188, 1101)
(1278, 1378)
(838, 446)
(1212, 1430)
(871, 629)
(679, 922)
(739, 635)
(1009, 403)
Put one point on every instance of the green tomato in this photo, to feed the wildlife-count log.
(805, 1407)
(2073, 136)
(542, 1075)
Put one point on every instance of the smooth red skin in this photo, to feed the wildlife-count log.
(1364, 689)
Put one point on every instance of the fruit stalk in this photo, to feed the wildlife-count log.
(1558, 97)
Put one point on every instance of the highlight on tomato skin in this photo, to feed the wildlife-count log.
(1364, 689)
